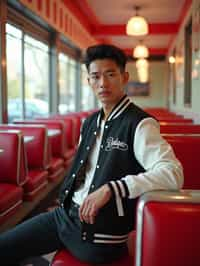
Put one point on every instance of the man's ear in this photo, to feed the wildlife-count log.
(88, 80)
(126, 77)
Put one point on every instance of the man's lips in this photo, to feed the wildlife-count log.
(104, 93)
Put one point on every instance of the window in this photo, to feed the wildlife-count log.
(36, 59)
(27, 75)
(188, 64)
(174, 78)
(87, 96)
(67, 84)
(14, 71)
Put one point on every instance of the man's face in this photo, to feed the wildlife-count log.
(107, 81)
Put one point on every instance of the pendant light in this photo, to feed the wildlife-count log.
(141, 51)
(137, 25)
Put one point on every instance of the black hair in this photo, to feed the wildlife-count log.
(105, 51)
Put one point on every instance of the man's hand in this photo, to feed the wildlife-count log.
(93, 203)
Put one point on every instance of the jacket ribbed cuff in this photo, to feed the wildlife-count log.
(119, 188)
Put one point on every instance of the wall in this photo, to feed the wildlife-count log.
(192, 110)
(158, 85)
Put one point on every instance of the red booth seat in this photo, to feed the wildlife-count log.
(13, 173)
(56, 145)
(187, 150)
(38, 155)
(168, 230)
(64, 258)
(174, 120)
(179, 128)
(10, 200)
(13, 161)
(71, 129)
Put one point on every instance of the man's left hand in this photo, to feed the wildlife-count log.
(93, 203)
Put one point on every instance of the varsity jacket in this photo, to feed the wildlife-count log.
(116, 159)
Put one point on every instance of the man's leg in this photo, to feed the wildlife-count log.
(34, 237)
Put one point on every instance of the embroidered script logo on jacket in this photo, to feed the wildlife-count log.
(115, 144)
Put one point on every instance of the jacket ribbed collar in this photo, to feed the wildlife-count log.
(119, 108)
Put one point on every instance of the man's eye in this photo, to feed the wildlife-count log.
(112, 74)
(94, 77)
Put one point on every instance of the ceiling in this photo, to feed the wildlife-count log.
(106, 21)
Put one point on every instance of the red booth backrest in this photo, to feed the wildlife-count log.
(168, 230)
(187, 150)
(38, 150)
(13, 162)
(179, 128)
(174, 120)
(58, 142)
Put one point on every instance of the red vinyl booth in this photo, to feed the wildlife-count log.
(64, 258)
(38, 157)
(187, 150)
(168, 230)
(182, 128)
(56, 143)
(13, 172)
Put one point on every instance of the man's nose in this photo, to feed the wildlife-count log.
(103, 81)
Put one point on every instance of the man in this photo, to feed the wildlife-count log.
(121, 155)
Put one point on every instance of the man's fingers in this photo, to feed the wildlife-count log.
(87, 212)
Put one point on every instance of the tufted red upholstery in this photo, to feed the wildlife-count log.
(64, 258)
(179, 128)
(168, 227)
(187, 150)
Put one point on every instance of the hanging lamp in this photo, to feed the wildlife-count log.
(141, 51)
(142, 63)
(137, 25)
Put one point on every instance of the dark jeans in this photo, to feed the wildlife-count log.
(33, 237)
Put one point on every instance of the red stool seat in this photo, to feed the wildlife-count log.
(64, 258)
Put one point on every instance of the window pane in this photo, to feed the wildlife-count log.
(87, 96)
(14, 72)
(72, 85)
(67, 72)
(36, 78)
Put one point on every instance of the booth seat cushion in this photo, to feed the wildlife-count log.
(10, 200)
(10, 194)
(55, 164)
(58, 173)
(37, 181)
(64, 258)
(36, 178)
